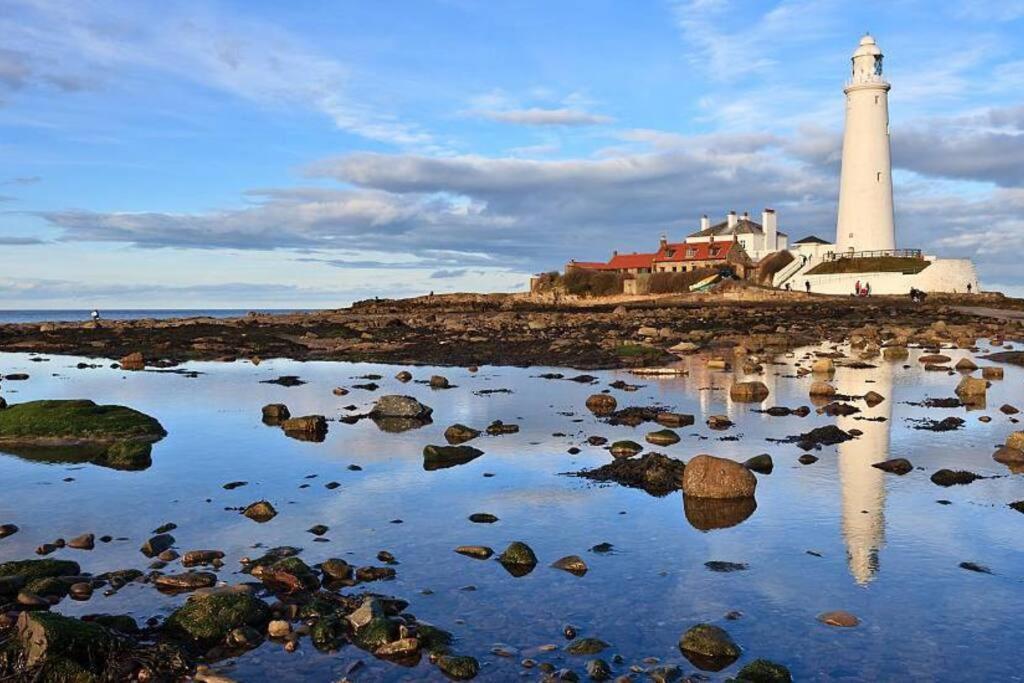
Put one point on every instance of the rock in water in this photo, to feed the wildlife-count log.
(157, 544)
(133, 361)
(822, 390)
(838, 618)
(655, 473)
(275, 413)
(972, 390)
(205, 620)
(518, 559)
(625, 448)
(1009, 456)
(706, 476)
(1015, 440)
(750, 392)
(458, 668)
(313, 426)
(400, 406)
(709, 647)
(80, 431)
(261, 511)
(762, 464)
(946, 477)
(898, 466)
(602, 404)
(586, 646)
(573, 564)
(460, 433)
(764, 671)
(45, 637)
(662, 437)
(479, 552)
(441, 457)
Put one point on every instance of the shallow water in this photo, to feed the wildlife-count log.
(889, 552)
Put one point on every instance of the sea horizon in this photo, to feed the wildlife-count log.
(47, 315)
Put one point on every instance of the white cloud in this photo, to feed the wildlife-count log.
(536, 116)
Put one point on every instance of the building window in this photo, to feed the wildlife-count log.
(690, 253)
(878, 177)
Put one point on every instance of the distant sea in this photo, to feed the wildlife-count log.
(133, 314)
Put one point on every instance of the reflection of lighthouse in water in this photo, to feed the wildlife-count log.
(863, 486)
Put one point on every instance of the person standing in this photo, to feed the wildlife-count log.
(968, 287)
(807, 285)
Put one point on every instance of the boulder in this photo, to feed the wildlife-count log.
(460, 433)
(70, 644)
(823, 366)
(394, 405)
(667, 419)
(971, 389)
(764, 671)
(457, 667)
(748, 391)
(838, 618)
(439, 382)
(133, 361)
(206, 619)
(706, 476)
(602, 404)
(762, 464)
(966, 365)
(307, 424)
(991, 372)
(518, 559)
(261, 511)
(709, 647)
(275, 413)
(1015, 440)
(573, 564)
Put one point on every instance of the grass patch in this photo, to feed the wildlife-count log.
(871, 264)
(637, 351)
(80, 419)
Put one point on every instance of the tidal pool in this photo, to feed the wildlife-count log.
(836, 534)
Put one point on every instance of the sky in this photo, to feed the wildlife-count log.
(260, 154)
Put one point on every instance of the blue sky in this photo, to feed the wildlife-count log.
(267, 154)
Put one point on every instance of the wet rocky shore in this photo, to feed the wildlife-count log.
(509, 330)
(393, 522)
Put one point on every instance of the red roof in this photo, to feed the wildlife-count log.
(624, 261)
(697, 251)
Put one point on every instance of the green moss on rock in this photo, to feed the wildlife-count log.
(39, 569)
(457, 667)
(78, 419)
(764, 671)
(205, 620)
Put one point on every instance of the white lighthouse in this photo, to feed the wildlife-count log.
(865, 220)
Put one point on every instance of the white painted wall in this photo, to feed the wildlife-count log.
(943, 275)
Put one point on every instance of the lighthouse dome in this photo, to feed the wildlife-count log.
(867, 46)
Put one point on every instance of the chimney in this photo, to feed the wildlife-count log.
(771, 232)
(704, 223)
(746, 215)
(732, 220)
(663, 242)
(615, 252)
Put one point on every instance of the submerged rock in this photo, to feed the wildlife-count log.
(655, 473)
(706, 476)
(457, 667)
(275, 413)
(829, 435)
(479, 552)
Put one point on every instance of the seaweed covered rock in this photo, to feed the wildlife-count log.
(289, 575)
(206, 619)
(79, 431)
(30, 570)
(763, 671)
(60, 645)
(457, 667)
(655, 473)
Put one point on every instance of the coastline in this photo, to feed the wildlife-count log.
(519, 330)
